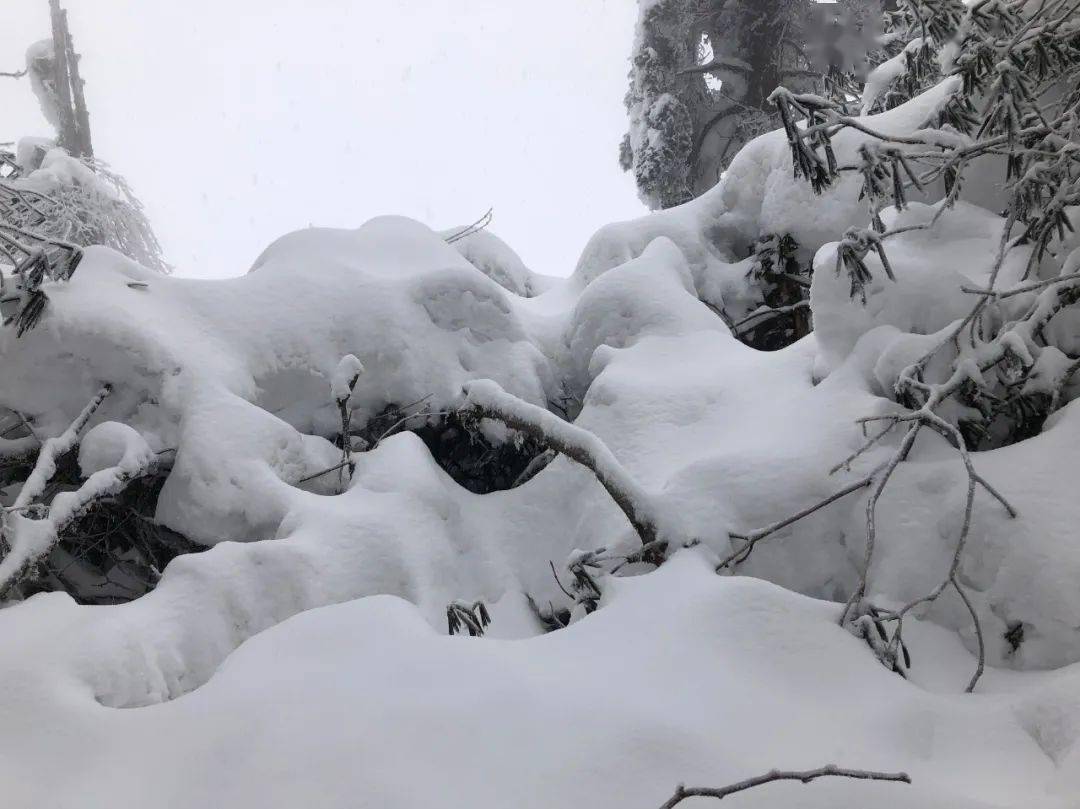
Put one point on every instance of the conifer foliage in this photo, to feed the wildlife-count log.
(702, 71)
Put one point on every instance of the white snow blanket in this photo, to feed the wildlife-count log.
(232, 697)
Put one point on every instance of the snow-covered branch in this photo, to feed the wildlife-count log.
(31, 529)
(342, 384)
(491, 401)
(473, 618)
(53, 448)
(68, 202)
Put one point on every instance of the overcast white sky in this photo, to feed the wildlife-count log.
(239, 120)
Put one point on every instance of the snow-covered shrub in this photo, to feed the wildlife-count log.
(495, 259)
(54, 192)
(994, 366)
(783, 282)
(923, 289)
(51, 195)
(1000, 58)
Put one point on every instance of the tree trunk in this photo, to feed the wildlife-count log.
(74, 134)
(81, 115)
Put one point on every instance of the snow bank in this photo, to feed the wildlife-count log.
(236, 377)
(679, 677)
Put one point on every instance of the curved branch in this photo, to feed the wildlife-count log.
(31, 540)
(489, 400)
(722, 63)
(31, 529)
(699, 140)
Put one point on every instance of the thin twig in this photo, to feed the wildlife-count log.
(334, 468)
(475, 227)
(754, 537)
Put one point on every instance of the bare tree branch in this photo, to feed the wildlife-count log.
(754, 537)
(475, 227)
(805, 776)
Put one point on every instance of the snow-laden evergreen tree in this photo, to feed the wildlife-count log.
(702, 71)
(50, 198)
(662, 101)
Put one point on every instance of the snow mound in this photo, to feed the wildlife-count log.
(497, 260)
(109, 444)
(757, 195)
(345, 377)
(613, 712)
(649, 295)
(227, 372)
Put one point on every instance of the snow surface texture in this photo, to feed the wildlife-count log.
(365, 705)
(681, 675)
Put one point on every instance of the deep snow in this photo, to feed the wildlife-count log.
(212, 690)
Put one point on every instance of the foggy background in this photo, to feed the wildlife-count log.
(239, 120)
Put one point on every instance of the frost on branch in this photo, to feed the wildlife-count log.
(60, 199)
